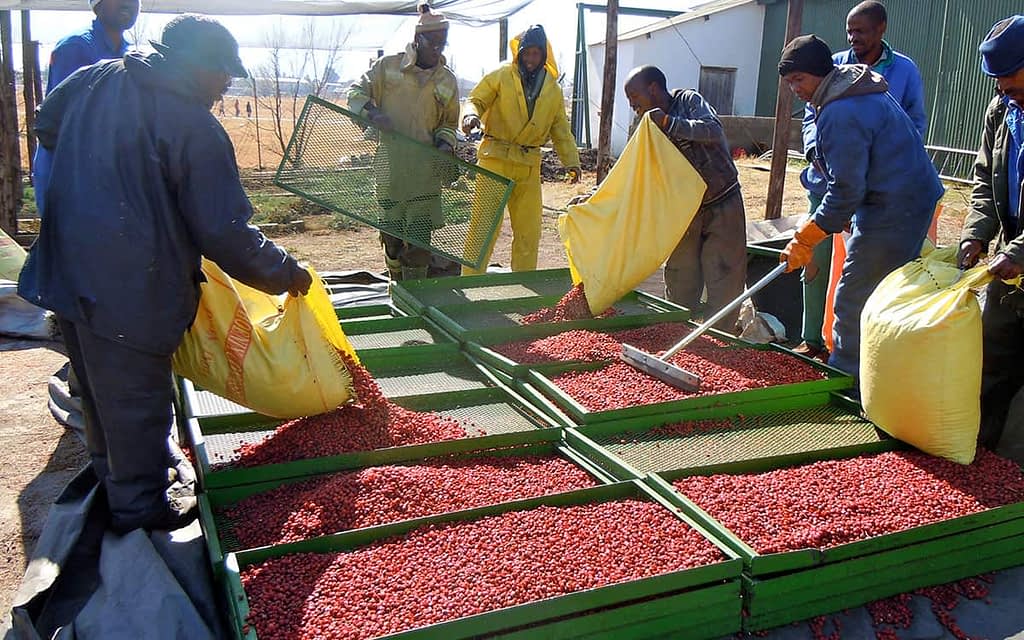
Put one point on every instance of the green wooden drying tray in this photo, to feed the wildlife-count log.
(711, 592)
(789, 586)
(359, 313)
(397, 338)
(413, 297)
(219, 538)
(787, 395)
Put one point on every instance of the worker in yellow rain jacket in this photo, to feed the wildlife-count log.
(521, 107)
(415, 94)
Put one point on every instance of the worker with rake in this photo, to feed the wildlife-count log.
(880, 181)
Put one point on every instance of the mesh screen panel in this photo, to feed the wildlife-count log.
(401, 186)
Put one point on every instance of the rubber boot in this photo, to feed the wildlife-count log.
(414, 273)
(395, 268)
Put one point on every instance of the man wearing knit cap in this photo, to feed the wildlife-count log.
(520, 107)
(996, 213)
(880, 181)
(417, 95)
(101, 41)
(865, 30)
(145, 184)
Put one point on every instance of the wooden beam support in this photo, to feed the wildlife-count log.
(29, 64)
(608, 89)
(783, 116)
(10, 151)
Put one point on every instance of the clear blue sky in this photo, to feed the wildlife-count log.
(472, 50)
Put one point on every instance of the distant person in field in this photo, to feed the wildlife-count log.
(238, 111)
(221, 107)
(103, 40)
(415, 94)
(248, 109)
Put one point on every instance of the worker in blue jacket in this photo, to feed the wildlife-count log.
(103, 40)
(880, 181)
(865, 29)
(144, 184)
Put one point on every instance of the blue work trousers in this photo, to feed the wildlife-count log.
(871, 254)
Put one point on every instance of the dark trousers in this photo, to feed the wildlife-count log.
(126, 402)
(1003, 352)
(712, 254)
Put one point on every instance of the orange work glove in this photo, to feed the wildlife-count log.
(800, 249)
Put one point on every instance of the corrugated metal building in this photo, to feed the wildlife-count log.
(942, 37)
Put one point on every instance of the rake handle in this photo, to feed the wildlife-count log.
(724, 311)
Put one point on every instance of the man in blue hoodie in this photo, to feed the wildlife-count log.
(865, 29)
(880, 181)
(144, 184)
(103, 40)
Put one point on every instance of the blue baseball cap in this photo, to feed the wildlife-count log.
(1002, 50)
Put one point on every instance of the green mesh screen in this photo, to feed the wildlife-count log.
(396, 184)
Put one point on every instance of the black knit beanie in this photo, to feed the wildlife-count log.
(807, 54)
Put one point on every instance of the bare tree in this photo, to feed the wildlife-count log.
(292, 73)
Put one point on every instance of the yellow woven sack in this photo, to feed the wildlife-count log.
(637, 216)
(920, 355)
(276, 355)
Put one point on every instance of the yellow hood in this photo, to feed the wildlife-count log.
(549, 63)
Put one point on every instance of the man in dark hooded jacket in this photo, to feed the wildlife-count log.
(144, 184)
(881, 181)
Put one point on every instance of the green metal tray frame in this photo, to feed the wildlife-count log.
(794, 585)
(213, 478)
(359, 313)
(711, 587)
(409, 296)
(541, 442)
(441, 347)
(582, 437)
(311, 100)
(541, 377)
(447, 316)
(380, 362)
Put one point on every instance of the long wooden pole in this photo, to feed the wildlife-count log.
(10, 151)
(29, 51)
(256, 115)
(783, 117)
(608, 89)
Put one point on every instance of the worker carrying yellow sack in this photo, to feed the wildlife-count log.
(278, 358)
(920, 355)
(520, 107)
(631, 224)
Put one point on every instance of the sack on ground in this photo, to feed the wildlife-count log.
(627, 229)
(277, 355)
(12, 257)
(920, 355)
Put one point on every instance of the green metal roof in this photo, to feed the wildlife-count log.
(941, 36)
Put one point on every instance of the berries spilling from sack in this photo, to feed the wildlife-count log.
(572, 306)
(833, 502)
(722, 369)
(372, 422)
(448, 571)
(386, 494)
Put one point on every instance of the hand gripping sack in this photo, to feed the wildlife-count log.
(920, 355)
(627, 229)
(277, 355)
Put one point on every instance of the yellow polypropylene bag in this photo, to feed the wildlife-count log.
(12, 257)
(920, 355)
(632, 223)
(276, 355)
